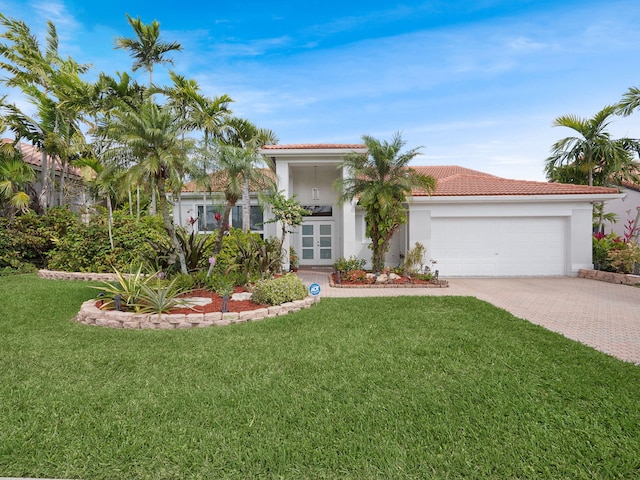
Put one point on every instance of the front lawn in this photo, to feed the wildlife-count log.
(408, 387)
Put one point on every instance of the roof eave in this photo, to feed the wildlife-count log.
(581, 197)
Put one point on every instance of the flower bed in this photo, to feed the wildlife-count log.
(390, 281)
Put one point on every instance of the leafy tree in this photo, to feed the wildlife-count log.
(288, 212)
(381, 179)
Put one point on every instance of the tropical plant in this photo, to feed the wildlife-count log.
(125, 290)
(153, 137)
(344, 265)
(625, 258)
(160, 296)
(381, 179)
(414, 259)
(15, 176)
(592, 157)
(238, 167)
(146, 48)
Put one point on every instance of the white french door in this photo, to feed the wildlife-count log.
(316, 240)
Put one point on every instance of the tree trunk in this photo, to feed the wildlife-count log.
(223, 228)
(110, 221)
(170, 227)
(246, 209)
(44, 195)
(204, 210)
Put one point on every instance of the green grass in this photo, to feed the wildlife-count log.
(405, 387)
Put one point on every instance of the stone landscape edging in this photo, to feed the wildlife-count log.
(90, 314)
(610, 277)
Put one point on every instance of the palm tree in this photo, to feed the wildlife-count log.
(592, 156)
(210, 116)
(237, 164)
(53, 85)
(15, 176)
(146, 49)
(153, 136)
(381, 179)
(242, 133)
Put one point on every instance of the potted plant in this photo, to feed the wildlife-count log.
(293, 260)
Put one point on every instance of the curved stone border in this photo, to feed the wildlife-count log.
(85, 276)
(443, 284)
(610, 277)
(91, 315)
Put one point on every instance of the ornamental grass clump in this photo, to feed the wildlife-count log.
(279, 290)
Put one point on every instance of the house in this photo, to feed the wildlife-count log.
(73, 193)
(626, 209)
(474, 224)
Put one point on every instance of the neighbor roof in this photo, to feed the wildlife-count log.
(219, 182)
(33, 156)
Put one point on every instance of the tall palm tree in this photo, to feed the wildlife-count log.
(242, 133)
(146, 48)
(237, 165)
(210, 116)
(53, 85)
(153, 136)
(381, 179)
(592, 156)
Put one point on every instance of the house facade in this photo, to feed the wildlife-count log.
(474, 224)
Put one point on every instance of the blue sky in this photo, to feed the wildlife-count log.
(475, 83)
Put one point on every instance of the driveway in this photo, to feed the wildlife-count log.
(602, 315)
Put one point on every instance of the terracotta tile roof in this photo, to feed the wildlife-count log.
(315, 146)
(33, 156)
(459, 181)
(219, 181)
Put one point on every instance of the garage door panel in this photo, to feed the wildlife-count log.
(498, 246)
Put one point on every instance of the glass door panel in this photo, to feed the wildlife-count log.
(308, 242)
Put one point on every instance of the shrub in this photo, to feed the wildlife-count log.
(87, 248)
(623, 260)
(279, 290)
(353, 263)
(602, 245)
(356, 276)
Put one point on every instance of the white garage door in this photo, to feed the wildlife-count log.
(498, 246)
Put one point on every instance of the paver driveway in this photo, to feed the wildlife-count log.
(603, 315)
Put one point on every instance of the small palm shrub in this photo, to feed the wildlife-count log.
(279, 290)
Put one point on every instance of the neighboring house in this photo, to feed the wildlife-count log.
(74, 192)
(474, 224)
(626, 209)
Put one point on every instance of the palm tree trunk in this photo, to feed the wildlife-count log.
(204, 210)
(223, 228)
(170, 227)
(110, 221)
(44, 204)
(246, 209)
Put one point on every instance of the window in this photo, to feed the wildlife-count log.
(211, 223)
(255, 218)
